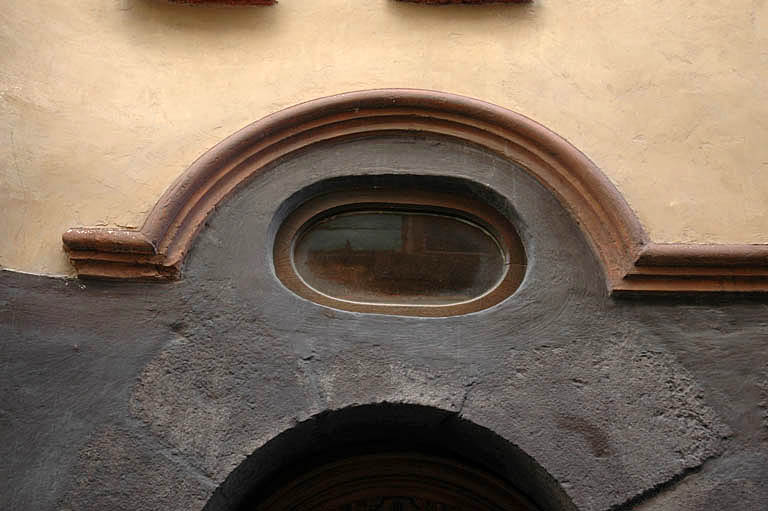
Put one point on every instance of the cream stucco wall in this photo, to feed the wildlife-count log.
(104, 102)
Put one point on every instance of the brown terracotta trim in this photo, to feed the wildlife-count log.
(679, 254)
(609, 224)
(107, 240)
(675, 268)
(479, 213)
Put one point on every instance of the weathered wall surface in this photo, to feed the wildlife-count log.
(104, 103)
(150, 396)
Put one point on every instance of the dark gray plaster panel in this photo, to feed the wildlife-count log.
(208, 392)
(554, 369)
(70, 353)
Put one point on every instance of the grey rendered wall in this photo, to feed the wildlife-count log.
(198, 393)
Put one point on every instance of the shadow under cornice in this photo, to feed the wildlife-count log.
(469, 13)
(200, 18)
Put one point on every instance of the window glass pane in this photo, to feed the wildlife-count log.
(399, 257)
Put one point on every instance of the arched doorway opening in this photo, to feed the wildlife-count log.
(389, 457)
(397, 482)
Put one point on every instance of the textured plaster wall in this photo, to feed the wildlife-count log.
(104, 102)
(146, 397)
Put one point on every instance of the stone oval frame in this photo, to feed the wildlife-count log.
(401, 199)
(630, 262)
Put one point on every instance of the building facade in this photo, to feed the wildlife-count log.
(384, 255)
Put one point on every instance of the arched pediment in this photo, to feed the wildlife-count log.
(629, 260)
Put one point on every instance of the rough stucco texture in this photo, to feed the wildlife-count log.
(104, 103)
(181, 399)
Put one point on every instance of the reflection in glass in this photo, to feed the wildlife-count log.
(399, 257)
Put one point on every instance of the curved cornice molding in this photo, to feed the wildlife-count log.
(629, 261)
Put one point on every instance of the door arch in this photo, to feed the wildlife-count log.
(397, 482)
(389, 455)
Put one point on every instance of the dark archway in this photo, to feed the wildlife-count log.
(396, 482)
(385, 429)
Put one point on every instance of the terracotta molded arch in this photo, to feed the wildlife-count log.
(629, 260)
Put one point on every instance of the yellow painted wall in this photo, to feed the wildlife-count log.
(104, 102)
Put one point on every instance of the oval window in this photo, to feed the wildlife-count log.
(422, 254)
(398, 257)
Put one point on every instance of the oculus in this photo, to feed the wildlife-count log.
(415, 253)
